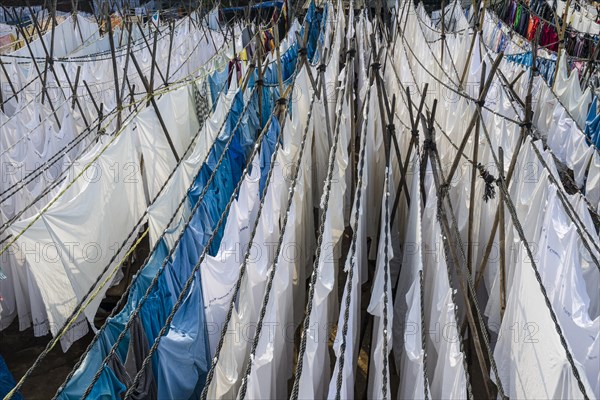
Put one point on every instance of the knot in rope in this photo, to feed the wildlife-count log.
(489, 191)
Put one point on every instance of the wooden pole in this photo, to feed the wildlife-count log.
(73, 87)
(171, 37)
(513, 161)
(448, 233)
(150, 93)
(470, 238)
(10, 83)
(412, 144)
(126, 67)
(324, 99)
(502, 240)
(152, 55)
(474, 118)
(561, 38)
(443, 36)
(278, 54)
(114, 65)
(98, 111)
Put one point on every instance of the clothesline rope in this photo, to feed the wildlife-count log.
(139, 305)
(176, 85)
(243, 267)
(125, 295)
(313, 279)
(196, 268)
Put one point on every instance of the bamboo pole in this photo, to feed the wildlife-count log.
(448, 233)
(502, 240)
(561, 38)
(470, 239)
(150, 93)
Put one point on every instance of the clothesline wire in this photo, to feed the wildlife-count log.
(469, 279)
(58, 85)
(453, 90)
(491, 13)
(439, 127)
(59, 180)
(51, 161)
(594, 37)
(90, 57)
(56, 182)
(52, 113)
(453, 292)
(551, 90)
(386, 272)
(93, 293)
(435, 29)
(516, 223)
(566, 204)
(352, 253)
(136, 311)
(444, 43)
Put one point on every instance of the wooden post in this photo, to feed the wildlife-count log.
(448, 233)
(98, 111)
(321, 68)
(524, 132)
(73, 87)
(474, 118)
(259, 84)
(468, 62)
(470, 239)
(150, 93)
(152, 55)
(10, 83)
(154, 64)
(126, 67)
(171, 36)
(413, 142)
(443, 36)
(278, 54)
(502, 239)
(561, 38)
(114, 65)
(351, 100)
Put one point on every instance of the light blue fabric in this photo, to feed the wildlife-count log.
(592, 125)
(216, 83)
(545, 66)
(156, 304)
(268, 146)
(184, 354)
(182, 360)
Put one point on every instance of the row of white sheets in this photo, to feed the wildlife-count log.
(32, 139)
(522, 375)
(559, 115)
(29, 142)
(44, 289)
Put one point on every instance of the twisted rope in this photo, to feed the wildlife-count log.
(125, 295)
(273, 269)
(162, 267)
